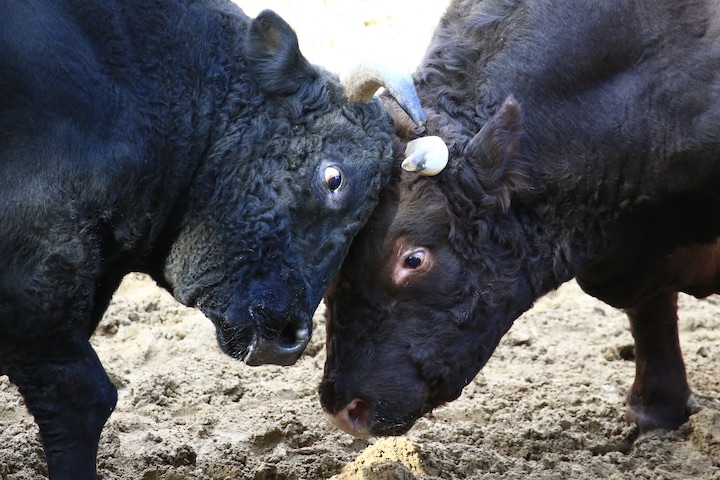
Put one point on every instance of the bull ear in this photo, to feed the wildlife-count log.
(496, 153)
(273, 55)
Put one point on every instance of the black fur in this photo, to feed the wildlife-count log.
(177, 138)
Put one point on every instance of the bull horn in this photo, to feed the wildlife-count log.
(365, 79)
(426, 156)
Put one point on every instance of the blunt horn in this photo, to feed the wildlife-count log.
(364, 80)
(426, 156)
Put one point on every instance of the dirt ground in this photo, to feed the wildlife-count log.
(549, 405)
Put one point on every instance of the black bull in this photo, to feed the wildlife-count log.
(184, 140)
(584, 143)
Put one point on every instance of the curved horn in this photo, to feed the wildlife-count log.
(364, 80)
(425, 156)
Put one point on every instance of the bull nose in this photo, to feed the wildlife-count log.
(282, 349)
(354, 418)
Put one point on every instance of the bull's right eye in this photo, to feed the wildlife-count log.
(412, 262)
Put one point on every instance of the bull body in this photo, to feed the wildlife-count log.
(177, 138)
(584, 143)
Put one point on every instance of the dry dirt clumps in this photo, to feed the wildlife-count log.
(393, 458)
(549, 404)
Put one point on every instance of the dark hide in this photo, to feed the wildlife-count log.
(177, 138)
(584, 143)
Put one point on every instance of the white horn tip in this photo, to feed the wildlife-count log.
(426, 156)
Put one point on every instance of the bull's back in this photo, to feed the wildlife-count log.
(631, 89)
(71, 148)
(59, 94)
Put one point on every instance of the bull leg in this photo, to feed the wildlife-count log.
(68, 392)
(658, 399)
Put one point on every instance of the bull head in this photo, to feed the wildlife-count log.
(294, 174)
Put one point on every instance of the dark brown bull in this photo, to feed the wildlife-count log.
(584, 143)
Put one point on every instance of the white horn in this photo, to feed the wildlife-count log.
(425, 156)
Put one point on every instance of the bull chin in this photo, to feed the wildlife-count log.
(233, 341)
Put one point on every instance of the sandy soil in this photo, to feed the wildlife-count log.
(549, 405)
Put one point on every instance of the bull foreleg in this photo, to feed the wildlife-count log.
(658, 399)
(70, 395)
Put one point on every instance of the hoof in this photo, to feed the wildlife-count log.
(660, 419)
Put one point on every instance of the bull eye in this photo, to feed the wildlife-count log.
(333, 178)
(414, 260)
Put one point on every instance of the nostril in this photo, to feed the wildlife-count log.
(359, 413)
(354, 418)
(295, 335)
(282, 346)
